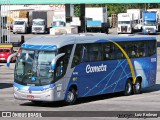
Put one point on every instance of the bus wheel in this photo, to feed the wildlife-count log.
(137, 87)
(128, 88)
(71, 96)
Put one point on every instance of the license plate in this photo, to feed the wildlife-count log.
(30, 96)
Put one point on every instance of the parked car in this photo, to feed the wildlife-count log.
(5, 51)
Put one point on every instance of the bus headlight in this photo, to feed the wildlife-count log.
(15, 88)
(47, 90)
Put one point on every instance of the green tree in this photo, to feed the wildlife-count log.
(116, 8)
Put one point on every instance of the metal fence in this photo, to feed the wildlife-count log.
(5, 23)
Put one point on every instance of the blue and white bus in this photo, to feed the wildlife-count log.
(67, 67)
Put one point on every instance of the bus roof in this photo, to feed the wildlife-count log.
(62, 40)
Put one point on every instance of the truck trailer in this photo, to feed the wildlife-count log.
(96, 19)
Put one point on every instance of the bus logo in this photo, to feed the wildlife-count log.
(92, 69)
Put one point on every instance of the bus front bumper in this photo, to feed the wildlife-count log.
(46, 95)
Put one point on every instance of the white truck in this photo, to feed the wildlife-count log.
(59, 19)
(137, 18)
(59, 25)
(20, 25)
(125, 23)
(42, 21)
(38, 25)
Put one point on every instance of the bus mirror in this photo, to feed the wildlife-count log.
(9, 58)
(53, 64)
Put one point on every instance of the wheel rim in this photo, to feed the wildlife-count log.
(128, 88)
(137, 86)
(70, 96)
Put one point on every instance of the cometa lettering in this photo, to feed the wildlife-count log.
(92, 69)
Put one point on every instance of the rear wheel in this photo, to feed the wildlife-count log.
(137, 87)
(71, 97)
(128, 88)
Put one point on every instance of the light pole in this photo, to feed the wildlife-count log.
(4, 15)
(0, 26)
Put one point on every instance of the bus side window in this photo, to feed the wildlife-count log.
(118, 53)
(62, 63)
(77, 58)
(151, 48)
(108, 51)
(141, 49)
(132, 50)
(94, 52)
(60, 68)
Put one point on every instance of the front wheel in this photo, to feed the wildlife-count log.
(71, 97)
(137, 87)
(128, 88)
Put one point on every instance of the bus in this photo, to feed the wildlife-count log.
(67, 67)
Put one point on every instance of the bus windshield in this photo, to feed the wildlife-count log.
(33, 67)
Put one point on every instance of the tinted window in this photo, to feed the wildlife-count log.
(77, 58)
(151, 47)
(94, 51)
(108, 51)
(87, 53)
(62, 63)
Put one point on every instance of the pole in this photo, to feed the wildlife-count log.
(0, 26)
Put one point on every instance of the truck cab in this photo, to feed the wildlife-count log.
(58, 23)
(20, 25)
(125, 23)
(149, 22)
(38, 26)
